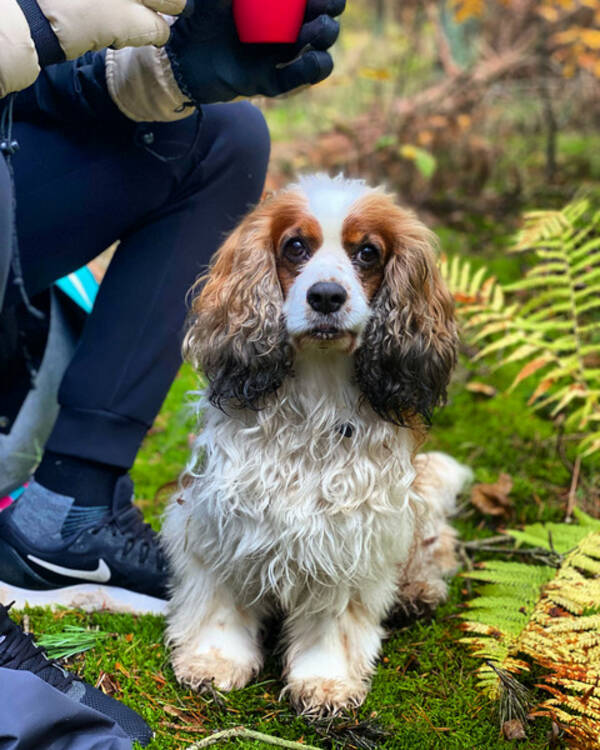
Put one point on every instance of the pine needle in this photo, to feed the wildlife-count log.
(514, 697)
(73, 640)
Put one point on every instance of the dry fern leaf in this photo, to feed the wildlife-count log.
(539, 615)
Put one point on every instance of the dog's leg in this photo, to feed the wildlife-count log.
(330, 660)
(212, 637)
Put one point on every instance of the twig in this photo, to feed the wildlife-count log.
(572, 500)
(548, 557)
(477, 543)
(249, 734)
(183, 727)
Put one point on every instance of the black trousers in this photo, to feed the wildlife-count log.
(169, 193)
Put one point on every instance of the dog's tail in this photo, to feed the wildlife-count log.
(440, 479)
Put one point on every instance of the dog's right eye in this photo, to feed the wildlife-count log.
(295, 249)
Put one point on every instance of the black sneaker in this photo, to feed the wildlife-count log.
(18, 651)
(53, 552)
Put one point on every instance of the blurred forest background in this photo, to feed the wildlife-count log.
(463, 106)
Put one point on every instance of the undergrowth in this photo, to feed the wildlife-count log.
(424, 693)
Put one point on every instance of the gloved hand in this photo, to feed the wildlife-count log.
(210, 64)
(91, 25)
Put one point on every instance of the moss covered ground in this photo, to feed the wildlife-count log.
(424, 693)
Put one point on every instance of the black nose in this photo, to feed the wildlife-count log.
(326, 296)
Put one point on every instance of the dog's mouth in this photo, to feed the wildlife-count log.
(327, 333)
(328, 336)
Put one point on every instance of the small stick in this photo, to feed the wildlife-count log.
(183, 727)
(249, 734)
(477, 543)
(571, 502)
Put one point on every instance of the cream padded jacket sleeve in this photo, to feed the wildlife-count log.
(92, 25)
(19, 65)
(141, 83)
(80, 26)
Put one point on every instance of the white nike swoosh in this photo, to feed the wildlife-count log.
(101, 574)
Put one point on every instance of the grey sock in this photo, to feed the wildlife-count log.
(46, 518)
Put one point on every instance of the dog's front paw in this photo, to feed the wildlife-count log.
(199, 670)
(320, 696)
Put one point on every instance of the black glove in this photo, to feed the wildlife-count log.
(210, 63)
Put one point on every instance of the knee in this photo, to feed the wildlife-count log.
(245, 136)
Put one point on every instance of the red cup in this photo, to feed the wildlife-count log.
(268, 21)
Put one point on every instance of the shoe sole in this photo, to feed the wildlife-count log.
(86, 596)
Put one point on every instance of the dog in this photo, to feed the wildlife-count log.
(327, 337)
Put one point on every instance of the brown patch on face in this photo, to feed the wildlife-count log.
(371, 222)
(291, 219)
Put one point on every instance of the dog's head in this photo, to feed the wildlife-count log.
(327, 265)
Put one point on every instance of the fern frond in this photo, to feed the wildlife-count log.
(543, 226)
(561, 537)
(556, 627)
(511, 574)
(557, 324)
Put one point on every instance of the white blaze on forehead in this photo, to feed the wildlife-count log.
(330, 198)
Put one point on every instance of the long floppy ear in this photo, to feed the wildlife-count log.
(408, 350)
(237, 335)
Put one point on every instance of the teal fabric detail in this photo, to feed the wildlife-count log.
(16, 494)
(81, 287)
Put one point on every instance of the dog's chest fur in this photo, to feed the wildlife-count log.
(286, 507)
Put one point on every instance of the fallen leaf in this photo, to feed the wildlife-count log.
(486, 390)
(492, 499)
(554, 735)
(513, 730)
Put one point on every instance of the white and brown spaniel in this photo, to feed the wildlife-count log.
(327, 337)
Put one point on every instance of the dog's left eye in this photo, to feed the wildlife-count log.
(367, 255)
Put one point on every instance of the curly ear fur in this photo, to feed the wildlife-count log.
(237, 335)
(408, 350)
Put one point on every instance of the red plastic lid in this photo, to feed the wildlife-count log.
(268, 21)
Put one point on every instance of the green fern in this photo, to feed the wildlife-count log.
(499, 615)
(552, 324)
(546, 615)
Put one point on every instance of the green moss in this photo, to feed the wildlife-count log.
(424, 693)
